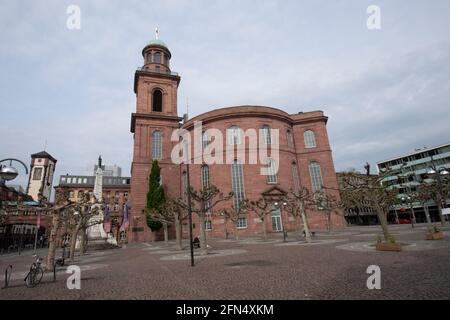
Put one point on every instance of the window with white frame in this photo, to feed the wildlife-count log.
(237, 181)
(295, 177)
(205, 140)
(234, 135)
(310, 139)
(205, 182)
(208, 225)
(272, 175)
(266, 134)
(241, 223)
(205, 176)
(290, 139)
(157, 145)
(316, 176)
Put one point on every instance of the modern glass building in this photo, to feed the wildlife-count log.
(411, 170)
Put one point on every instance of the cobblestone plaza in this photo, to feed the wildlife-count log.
(332, 267)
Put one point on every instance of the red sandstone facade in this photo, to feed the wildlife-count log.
(156, 115)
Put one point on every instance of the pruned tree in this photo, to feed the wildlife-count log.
(430, 191)
(235, 212)
(369, 189)
(171, 213)
(297, 203)
(327, 203)
(80, 214)
(203, 202)
(262, 208)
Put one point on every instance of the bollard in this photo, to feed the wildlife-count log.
(284, 236)
(7, 276)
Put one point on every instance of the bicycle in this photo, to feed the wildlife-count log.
(36, 273)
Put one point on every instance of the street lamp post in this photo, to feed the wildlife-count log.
(441, 199)
(8, 173)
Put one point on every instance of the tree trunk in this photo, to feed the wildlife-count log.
(264, 227)
(73, 241)
(236, 234)
(327, 218)
(178, 233)
(203, 244)
(83, 240)
(52, 242)
(439, 205)
(305, 225)
(427, 213)
(166, 233)
(384, 225)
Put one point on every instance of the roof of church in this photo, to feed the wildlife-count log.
(157, 42)
(43, 154)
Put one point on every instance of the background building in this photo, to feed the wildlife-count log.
(305, 153)
(40, 179)
(365, 215)
(411, 170)
(116, 191)
(110, 171)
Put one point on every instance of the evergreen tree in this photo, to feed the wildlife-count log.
(155, 196)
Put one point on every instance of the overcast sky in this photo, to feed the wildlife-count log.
(386, 91)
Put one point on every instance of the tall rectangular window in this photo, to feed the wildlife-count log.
(316, 176)
(272, 175)
(266, 134)
(156, 145)
(237, 180)
(295, 177)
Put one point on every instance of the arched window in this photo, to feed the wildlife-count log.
(157, 57)
(295, 177)
(205, 176)
(266, 134)
(272, 175)
(290, 140)
(157, 101)
(156, 145)
(237, 182)
(316, 176)
(149, 57)
(310, 139)
(234, 135)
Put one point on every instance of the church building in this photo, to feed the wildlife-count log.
(305, 156)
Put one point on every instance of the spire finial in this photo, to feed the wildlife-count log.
(156, 32)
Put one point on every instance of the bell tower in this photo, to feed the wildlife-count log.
(156, 117)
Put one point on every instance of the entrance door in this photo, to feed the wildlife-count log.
(276, 220)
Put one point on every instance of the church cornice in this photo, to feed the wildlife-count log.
(152, 116)
(144, 72)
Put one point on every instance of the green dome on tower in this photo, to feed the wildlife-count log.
(157, 42)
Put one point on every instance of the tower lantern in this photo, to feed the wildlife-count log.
(156, 55)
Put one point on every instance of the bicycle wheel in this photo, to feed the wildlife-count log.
(29, 280)
(39, 273)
